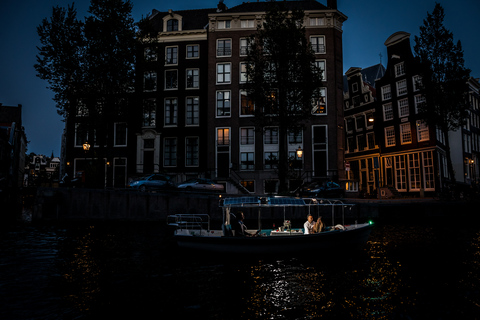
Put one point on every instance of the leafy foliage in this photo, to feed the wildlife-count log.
(282, 77)
(444, 77)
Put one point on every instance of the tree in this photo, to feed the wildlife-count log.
(60, 58)
(90, 67)
(282, 78)
(444, 78)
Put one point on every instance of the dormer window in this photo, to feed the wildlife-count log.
(172, 25)
(172, 22)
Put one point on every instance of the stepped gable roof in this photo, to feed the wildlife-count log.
(265, 5)
(192, 19)
(369, 75)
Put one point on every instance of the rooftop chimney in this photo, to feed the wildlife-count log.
(332, 4)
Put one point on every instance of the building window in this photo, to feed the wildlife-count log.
(417, 83)
(245, 44)
(403, 109)
(405, 133)
(320, 64)
(223, 73)
(81, 135)
(191, 152)
(361, 142)
(192, 111)
(387, 112)
(172, 25)
(247, 136)
(402, 87)
(371, 140)
(150, 54)
(350, 144)
(224, 47)
(419, 101)
(295, 137)
(223, 136)
(150, 81)
(317, 21)
(170, 152)
(399, 69)
(171, 55)
(171, 112)
(223, 24)
(318, 44)
(149, 112)
(243, 72)
(354, 87)
(247, 106)
(247, 160)
(249, 185)
(223, 104)
(120, 134)
(271, 136)
(350, 124)
(414, 168)
(422, 131)
(247, 23)
(319, 103)
(390, 136)
(429, 174)
(171, 79)
(193, 78)
(360, 122)
(271, 160)
(386, 92)
(400, 173)
(193, 51)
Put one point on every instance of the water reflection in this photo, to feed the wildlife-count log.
(105, 270)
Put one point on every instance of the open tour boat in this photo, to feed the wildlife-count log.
(193, 230)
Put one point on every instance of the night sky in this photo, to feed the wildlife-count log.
(369, 24)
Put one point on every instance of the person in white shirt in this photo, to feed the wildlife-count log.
(308, 225)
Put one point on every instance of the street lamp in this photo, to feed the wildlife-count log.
(86, 146)
(299, 152)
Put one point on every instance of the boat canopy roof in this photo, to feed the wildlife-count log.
(278, 202)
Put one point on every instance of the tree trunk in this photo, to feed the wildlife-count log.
(451, 171)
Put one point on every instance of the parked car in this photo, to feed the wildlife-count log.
(152, 182)
(318, 189)
(201, 184)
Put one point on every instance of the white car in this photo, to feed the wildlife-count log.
(201, 184)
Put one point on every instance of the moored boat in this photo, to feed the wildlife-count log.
(193, 231)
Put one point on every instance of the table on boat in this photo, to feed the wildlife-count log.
(294, 232)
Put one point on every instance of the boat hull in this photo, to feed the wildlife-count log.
(353, 238)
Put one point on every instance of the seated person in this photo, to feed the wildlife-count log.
(241, 228)
(319, 226)
(309, 224)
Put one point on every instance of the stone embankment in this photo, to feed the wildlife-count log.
(89, 204)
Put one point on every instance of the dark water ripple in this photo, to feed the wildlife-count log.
(131, 270)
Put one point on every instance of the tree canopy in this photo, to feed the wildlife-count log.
(282, 77)
(444, 77)
(91, 58)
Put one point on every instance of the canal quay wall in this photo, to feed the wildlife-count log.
(90, 204)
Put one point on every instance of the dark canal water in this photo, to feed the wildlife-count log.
(104, 270)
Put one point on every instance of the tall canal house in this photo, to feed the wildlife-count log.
(389, 148)
(192, 117)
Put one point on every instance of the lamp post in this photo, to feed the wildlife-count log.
(86, 147)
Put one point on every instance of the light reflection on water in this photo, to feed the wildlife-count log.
(89, 271)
